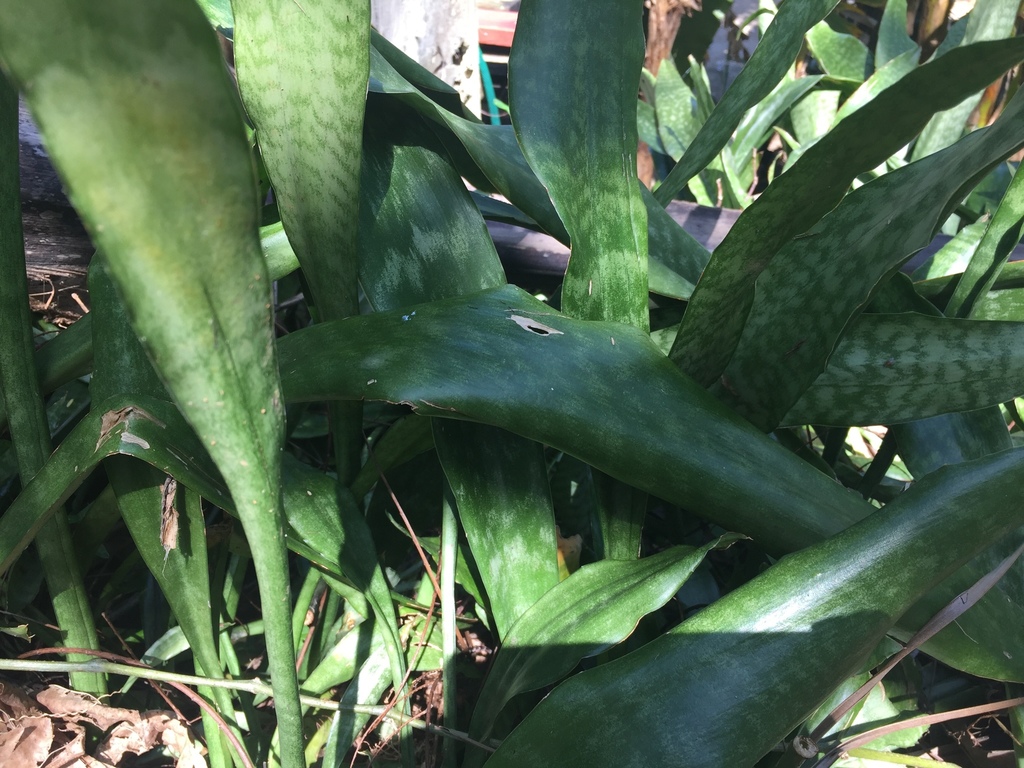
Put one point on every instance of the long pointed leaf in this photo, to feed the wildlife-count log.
(770, 61)
(21, 394)
(411, 255)
(502, 358)
(588, 613)
(781, 350)
(897, 368)
(768, 653)
(142, 123)
(584, 150)
(794, 202)
(1000, 238)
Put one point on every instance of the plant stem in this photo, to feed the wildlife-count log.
(449, 553)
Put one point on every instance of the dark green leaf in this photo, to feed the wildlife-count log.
(791, 205)
(584, 149)
(999, 240)
(506, 515)
(770, 61)
(142, 121)
(769, 652)
(897, 368)
(593, 610)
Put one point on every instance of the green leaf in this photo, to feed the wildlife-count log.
(791, 205)
(409, 252)
(406, 439)
(218, 12)
(501, 357)
(987, 21)
(893, 40)
(143, 493)
(781, 350)
(999, 240)
(770, 61)
(677, 259)
(142, 122)
(954, 256)
(504, 358)
(675, 110)
(769, 652)
(896, 368)
(584, 150)
(506, 515)
(883, 78)
(954, 438)
(842, 56)
(425, 82)
(593, 610)
(21, 395)
(328, 521)
(493, 148)
(757, 124)
(139, 427)
(287, 58)
(811, 117)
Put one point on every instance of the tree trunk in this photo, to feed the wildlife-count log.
(440, 34)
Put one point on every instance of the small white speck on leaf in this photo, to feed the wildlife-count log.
(371, 381)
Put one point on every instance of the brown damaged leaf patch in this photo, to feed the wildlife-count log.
(48, 730)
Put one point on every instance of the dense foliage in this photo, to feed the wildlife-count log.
(660, 490)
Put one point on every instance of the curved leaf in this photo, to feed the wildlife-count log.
(769, 63)
(1000, 238)
(287, 58)
(501, 357)
(506, 514)
(893, 40)
(142, 122)
(677, 258)
(895, 368)
(768, 653)
(805, 299)
(593, 610)
(842, 56)
(410, 254)
(130, 426)
(794, 202)
(144, 492)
